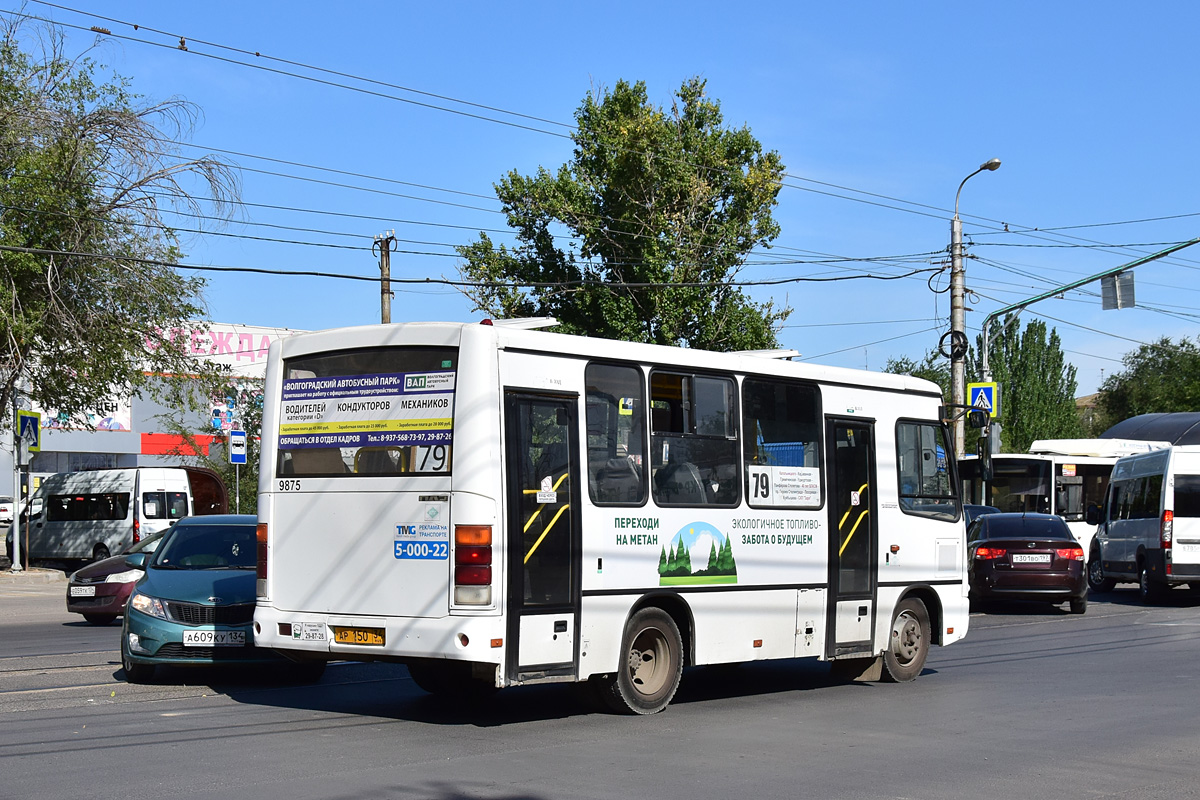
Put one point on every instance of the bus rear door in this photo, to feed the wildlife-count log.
(852, 581)
(542, 470)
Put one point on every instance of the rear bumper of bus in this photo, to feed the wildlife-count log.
(308, 635)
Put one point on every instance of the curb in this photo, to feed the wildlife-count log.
(32, 576)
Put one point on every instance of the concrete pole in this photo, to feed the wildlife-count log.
(958, 325)
(14, 527)
(385, 242)
(958, 322)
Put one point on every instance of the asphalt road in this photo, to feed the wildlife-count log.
(1035, 703)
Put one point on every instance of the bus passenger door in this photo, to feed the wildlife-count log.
(543, 539)
(853, 535)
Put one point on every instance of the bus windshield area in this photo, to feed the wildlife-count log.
(377, 411)
(1016, 485)
(1042, 485)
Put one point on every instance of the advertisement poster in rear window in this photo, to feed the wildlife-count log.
(380, 410)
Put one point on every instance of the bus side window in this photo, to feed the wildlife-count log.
(693, 441)
(781, 445)
(616, 435)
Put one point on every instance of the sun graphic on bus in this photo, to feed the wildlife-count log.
(699, 553)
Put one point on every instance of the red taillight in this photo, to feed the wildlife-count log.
(464, 554)
(1166, 529)
(260, 533)
(472, 576)
(137, 529)
(988, 553)
(1070, 553)
(472, 565)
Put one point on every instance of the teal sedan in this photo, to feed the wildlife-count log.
(195, 605)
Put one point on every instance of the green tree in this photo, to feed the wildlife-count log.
(88, 299)
(725, 563)
(1037, 385)
(651, 196)
(1161, 377)
(933, 367)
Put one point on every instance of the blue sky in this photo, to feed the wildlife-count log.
(1089, 106)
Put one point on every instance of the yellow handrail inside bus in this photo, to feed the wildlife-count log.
(543, 536)
(539, 508)
(850, 536)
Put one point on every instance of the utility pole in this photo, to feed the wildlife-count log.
(386, 242)
(958, 322)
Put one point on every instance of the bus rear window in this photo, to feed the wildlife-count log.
(378, 411)
(164, 505)
(1187, 495)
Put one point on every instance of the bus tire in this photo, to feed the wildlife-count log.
(651, 665)
(100, 552)
(1095, 572)
(908, 642)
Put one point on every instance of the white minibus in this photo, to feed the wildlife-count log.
(98, 513)
(1149, 526)
(495, 506)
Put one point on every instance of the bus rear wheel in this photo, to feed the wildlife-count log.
(908, 644)
(651, 665)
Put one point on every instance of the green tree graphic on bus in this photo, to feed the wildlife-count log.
(697, 543)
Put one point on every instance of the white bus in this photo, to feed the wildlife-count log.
(496, 506)
(1057, 476)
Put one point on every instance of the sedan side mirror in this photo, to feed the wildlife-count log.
(136, 561)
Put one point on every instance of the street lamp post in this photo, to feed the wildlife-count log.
(958, 327)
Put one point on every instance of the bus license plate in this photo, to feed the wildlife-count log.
(1031, 558)
(371, 636)
(214, 638)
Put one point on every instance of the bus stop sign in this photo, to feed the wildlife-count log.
(237, 447)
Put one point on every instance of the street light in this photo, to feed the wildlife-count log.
(958, 327)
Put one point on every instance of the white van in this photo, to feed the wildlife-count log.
(92, 515)
(1150, 523)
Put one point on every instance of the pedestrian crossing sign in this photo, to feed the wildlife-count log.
(985, 397)
(29, 430)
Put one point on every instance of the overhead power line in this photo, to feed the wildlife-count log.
(447, 282)
(182, 40)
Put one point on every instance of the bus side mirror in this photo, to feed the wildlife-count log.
(977, 418)
(1093, 515)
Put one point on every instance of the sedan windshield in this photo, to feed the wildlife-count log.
(208, 547)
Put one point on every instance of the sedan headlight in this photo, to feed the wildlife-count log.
(128, 576)
(148, 605)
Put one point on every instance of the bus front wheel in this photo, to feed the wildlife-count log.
(908, 644)
(651, 665)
